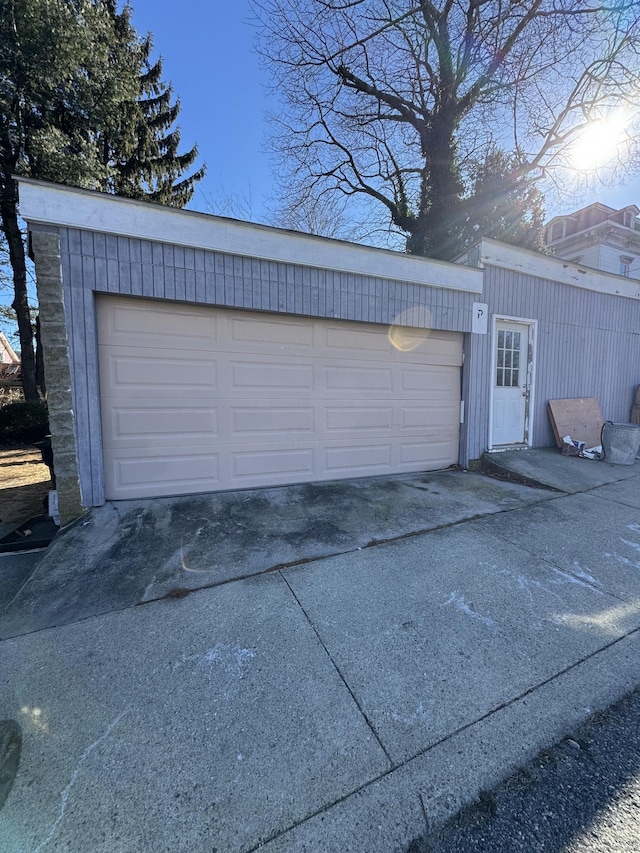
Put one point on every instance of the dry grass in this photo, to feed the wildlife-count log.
(24, 484)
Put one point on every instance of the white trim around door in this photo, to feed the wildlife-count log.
(512, 382)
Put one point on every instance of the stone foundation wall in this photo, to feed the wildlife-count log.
(45, 247)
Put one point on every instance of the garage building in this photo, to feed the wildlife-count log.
(207, 354)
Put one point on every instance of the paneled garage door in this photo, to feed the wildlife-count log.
(200, 399)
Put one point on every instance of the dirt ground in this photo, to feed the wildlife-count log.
(24, 484)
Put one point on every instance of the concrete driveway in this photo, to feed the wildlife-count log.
(319, 668)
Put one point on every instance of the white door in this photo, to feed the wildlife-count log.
(511, 376)
(199, 399)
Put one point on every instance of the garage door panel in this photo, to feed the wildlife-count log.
(423, 346)
(426, 418)
(163, 421)
(433, 451)
(351, 341)
(130, 372)
(269, 400)
(365, 459)
(159, 443)
(436, 380)
(162, 473)
(261, 420)
(278, 464)
(427, 347)
(354, 378)
(272, 335)
(442, 348)
(147, 324)
(276, 374)
(442, 357)
(131, 421)
(150, 374)
(362, 419)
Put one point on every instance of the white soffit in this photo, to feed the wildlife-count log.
(51, 204)
(527, 262)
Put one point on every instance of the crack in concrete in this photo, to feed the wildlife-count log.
(373, 543)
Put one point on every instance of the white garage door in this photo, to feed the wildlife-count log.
(198, 399)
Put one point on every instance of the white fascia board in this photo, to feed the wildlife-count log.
(51, 204)
(527, 262)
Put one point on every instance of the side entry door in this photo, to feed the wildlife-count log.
(511, 391)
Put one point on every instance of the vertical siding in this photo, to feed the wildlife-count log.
(142, 268)
(98, 263)
(588, 345)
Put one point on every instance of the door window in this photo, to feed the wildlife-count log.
(508, 366)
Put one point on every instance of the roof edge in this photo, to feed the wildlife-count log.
(528, 262)
(43, 203)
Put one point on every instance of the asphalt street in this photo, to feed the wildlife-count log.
(581, 796)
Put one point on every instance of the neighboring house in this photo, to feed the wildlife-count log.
(189, 353)
(598, 236)
(9, 365)
(7, 354)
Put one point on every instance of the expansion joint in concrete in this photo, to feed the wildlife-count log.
(510, 702)
(372, 728)
(448, 737)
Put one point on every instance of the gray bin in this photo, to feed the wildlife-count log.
(620, 442)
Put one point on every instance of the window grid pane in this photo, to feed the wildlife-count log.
(508, 359)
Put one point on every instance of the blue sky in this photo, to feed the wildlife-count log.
(209, 57)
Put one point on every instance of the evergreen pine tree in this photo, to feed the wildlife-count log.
(502, 203)
(81, 104)
(142, 156)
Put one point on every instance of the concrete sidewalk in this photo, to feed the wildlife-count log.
(354, 659)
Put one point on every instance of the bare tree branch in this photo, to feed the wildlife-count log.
(399, 101)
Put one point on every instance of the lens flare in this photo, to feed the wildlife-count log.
(410, 328)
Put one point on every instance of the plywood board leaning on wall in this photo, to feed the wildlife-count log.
(579, 417)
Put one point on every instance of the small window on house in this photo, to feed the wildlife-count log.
(628, 219)
(557, 230)
(625, 265)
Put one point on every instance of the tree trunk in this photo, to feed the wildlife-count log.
(436, 232)
(11, 228)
